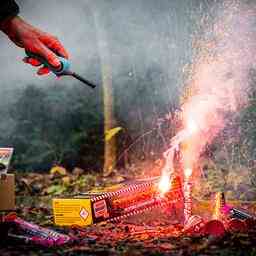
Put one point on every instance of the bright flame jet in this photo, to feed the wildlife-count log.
(167, 171)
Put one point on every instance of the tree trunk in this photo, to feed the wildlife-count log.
(109, 120)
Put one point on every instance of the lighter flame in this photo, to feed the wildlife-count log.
(164, 183)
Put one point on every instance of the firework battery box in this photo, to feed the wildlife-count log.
(115, 204)
(7, 181)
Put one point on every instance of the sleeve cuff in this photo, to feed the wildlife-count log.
(8, 9)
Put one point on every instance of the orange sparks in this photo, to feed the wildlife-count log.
(164, 183)
(187, 172)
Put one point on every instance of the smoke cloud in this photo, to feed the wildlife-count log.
(220, 74)
(148, 44)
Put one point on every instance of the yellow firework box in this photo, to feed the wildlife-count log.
(117, 203)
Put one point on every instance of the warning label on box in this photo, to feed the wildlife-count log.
(5, 158)
(69, 212)
(84, 214)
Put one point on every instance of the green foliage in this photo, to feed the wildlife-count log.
(53, 126)
(57, 189)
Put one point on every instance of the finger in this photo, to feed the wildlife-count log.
(43, 71)
(40, 49)
(32, 61)
(54, 44)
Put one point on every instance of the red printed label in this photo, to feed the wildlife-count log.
(100, 209)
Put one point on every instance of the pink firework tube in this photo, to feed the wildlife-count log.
(36, 234)
(187, 200)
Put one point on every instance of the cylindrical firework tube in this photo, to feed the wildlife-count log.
(35, 234)
(187, 200)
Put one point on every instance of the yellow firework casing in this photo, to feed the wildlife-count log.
(116, 203)
(72, 211)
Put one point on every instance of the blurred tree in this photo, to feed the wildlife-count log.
(109, 119)
(52, 127)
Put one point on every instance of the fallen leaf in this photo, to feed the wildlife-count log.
(112, 132)
(58, 170)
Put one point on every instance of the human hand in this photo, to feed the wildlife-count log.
(36, 41)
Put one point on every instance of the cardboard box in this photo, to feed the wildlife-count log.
(7, 192)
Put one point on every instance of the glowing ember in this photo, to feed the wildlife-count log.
(164, 183)
(187, 172)
(219, 205)
(217, 208)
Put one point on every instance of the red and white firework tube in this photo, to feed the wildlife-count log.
(187, 188)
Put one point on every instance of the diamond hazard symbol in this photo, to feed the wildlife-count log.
(84, 214)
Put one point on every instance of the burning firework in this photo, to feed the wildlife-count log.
(168, 169)
(219, 79)
(117, 204)
(164, 183)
